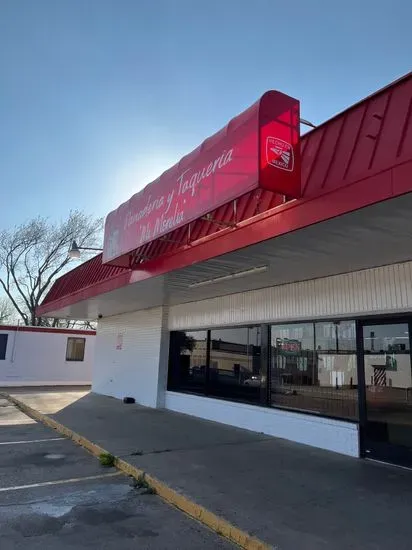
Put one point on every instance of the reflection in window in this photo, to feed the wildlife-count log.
(235, 364)
(187, 361)
(391, 338)
(335, 337)
(313, 368)
(387, 364)
(221, 363)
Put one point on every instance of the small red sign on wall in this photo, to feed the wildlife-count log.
(119, 342)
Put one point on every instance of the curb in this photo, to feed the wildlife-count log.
(217, 524)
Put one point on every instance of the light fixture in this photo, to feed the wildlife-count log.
(237, 275)
(74, 251)
(307, 123)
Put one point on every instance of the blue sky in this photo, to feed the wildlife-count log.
(98, 97)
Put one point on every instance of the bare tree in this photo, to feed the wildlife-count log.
(32, 255)
(71, 323)
(6, 310)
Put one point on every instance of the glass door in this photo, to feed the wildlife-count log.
(386, 427)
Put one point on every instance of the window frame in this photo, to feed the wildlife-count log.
(75, 360)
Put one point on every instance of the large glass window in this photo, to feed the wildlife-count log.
(219, 363)
(313, 368)
(188, 360)
(235, 364)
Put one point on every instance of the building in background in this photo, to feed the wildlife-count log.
(40, 356)
(265, 281)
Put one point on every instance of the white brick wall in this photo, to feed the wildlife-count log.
(132, 370)
(38, 358)
(371, 291)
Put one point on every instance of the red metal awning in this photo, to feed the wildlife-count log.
(360, 157)
(90, 274)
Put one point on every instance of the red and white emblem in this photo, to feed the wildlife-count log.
(279, 153)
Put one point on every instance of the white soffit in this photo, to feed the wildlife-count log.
(374, 236)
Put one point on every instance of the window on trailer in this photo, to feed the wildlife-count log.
(3, 346)
(75, 349)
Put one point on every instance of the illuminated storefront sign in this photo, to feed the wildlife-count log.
(257, 149)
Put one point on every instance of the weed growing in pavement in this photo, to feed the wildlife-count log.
(107, 460)
(141, 483)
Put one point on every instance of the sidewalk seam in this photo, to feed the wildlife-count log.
(217, 524)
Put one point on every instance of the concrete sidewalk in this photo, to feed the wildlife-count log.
(291, 496)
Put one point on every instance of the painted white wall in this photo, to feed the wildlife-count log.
(38, 358)
(324, 433)
(130, 352)
(385, 289)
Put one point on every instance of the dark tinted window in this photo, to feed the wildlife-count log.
(311, 366)
(235, 364)
(218, 363)
(187, 361)
(3, 346)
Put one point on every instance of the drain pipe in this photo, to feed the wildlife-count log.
(13, 351)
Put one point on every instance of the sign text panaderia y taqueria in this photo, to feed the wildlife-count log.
(258, 148)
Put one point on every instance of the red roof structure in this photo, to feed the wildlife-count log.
(358, 158)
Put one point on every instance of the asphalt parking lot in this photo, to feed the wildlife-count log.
(55, 495)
